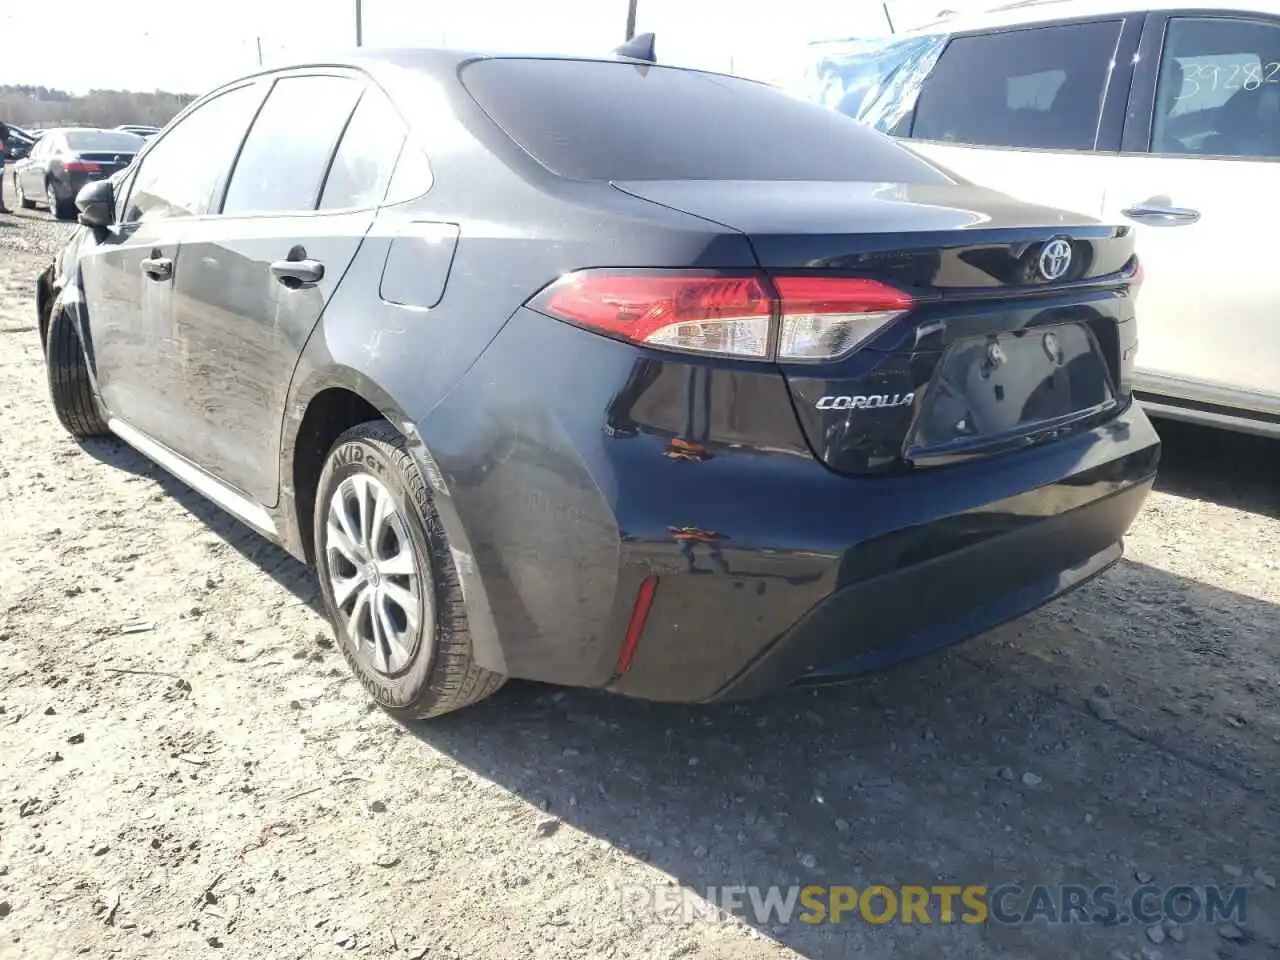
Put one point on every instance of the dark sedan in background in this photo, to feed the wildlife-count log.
(64, 160)
(605, 373)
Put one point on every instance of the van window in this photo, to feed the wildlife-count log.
(1218, 93)
(1038, 88)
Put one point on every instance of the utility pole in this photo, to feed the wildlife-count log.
(631, 18)
(259, 42)
(359, 23)
(888, 17)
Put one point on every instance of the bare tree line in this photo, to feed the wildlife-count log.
(31, 106)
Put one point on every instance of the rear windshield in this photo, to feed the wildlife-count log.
(111, 141)
(599, 120)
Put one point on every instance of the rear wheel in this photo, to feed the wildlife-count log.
(389, 580)
(58, 209)
(69, 384)
(25, 202)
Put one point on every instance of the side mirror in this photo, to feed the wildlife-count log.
(97, 204)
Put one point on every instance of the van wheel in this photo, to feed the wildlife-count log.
(69, 385)
(389, 580)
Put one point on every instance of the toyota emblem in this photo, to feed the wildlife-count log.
(1055, 259)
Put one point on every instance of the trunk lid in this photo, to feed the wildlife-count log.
(1021, 328)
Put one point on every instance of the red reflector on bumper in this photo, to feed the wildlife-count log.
(635, 626)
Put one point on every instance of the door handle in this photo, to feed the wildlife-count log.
(298, 273)
(1162, 216)
(157, 268)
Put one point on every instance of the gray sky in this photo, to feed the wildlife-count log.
(180, 45)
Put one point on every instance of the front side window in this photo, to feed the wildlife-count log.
(1036, 88)
(182, 175)
(287, 152)
(1218, 92)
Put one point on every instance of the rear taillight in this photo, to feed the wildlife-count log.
(741, 315)
(708, 313)
(81, 166)
(824, 317)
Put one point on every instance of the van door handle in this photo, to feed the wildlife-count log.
(1162, 216)
(298, 273)
(157, 268)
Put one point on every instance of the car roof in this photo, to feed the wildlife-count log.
(1028, 12)
(437, 61)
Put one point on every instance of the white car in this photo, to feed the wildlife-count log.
(1165, 116)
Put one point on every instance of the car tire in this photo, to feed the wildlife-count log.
(25, 202)
(70, 388)
(58, 209)
(416, 661)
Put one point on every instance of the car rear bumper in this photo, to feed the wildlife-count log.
(907, 613)
(913, 574)
(767, 569)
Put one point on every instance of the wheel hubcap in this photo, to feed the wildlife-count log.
(374, 573)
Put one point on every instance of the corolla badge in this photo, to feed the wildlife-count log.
(1055, 259)
(870, 401)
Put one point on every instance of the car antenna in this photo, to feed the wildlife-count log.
(639, 47)
(888, 16)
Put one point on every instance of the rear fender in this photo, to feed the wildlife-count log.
(484, 634)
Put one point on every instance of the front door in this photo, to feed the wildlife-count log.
(127, 277)
(1203, 194)
(131, 275)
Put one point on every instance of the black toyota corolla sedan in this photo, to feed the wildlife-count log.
(605, 373)
(64, 160)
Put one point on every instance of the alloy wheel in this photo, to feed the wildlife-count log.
(377, 580)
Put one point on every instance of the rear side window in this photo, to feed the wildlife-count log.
(363, 165)
(1039, 88)
(599, 120)
(287, 152)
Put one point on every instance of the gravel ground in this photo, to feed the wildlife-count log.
(188, 770)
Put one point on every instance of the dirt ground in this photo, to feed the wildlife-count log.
(186, 768)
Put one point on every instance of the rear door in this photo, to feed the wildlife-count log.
(1034, 111)
(254, 281)
(1199, 177)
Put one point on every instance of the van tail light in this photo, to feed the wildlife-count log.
(745, 315)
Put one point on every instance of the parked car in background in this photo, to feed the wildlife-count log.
(64, 160)
(547, 383)
(17, 145)
(146, 132)
(1163, 115)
